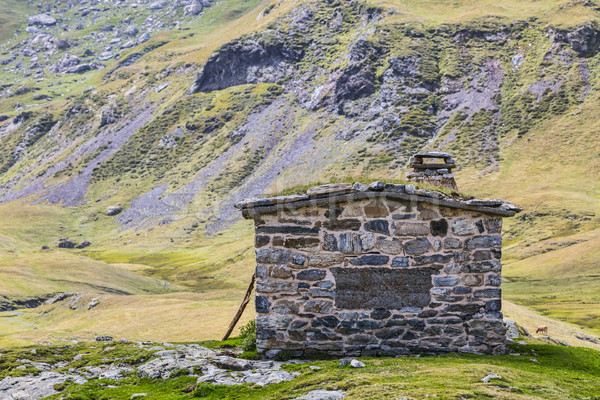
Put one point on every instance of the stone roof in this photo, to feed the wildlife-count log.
(346, 192)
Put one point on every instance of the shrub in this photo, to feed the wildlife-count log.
(248, 336)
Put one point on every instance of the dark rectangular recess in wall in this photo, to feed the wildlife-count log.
(369, 288)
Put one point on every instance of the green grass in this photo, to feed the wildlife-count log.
(558, 373)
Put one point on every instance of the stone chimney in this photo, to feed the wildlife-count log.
(426, 169)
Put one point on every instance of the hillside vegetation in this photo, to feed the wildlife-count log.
(253, 97)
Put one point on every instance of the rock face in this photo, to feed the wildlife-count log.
(584, 39)
(377, 272)
(246, 61)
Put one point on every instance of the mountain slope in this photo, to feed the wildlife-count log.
(251, 98)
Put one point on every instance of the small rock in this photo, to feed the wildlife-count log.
(490, 376)
(361, 187)
(376, 186)
(104, 338)
(138, 395)
(357, 364)
(162, 87)
(512, 332)
(344, 362)
(94, 303)
(330, 188)
(533, 360)
(314, 367)
(323, 395)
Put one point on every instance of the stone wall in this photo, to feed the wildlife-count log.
(378, 276)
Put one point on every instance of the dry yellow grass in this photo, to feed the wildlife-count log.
(176, 317)
(530, 320)
(46, 272)
(558, 12)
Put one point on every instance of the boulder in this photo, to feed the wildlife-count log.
(79, 69)
(157, 5)
(193, 9)
(41, 96)
(66, 244)
(41, 20)
(512, 331)
(131, 31)
(62, 44)
(322, 395)
(143, 38)
(128, 44)
(489, 377)
(113, 210)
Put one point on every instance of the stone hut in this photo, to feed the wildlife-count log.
(383, 269)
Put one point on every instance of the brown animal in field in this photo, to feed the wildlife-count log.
(542, 329)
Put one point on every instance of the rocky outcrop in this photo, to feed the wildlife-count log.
(35, 387)
(259, 59)
(8, 304)
(584, 39)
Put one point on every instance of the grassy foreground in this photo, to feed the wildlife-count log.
(533, 371)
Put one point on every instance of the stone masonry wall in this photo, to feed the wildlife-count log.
(378, 276)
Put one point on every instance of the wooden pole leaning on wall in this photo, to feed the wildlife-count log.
(241, 309)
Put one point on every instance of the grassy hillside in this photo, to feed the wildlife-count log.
(565, 12)
(525, 132)
(12, 15)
